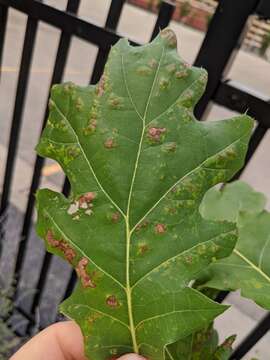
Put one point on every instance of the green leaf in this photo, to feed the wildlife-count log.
(248, 267)
(139, 165)
(228, 202)
(225, 350)
(202, 345)
(198, 346)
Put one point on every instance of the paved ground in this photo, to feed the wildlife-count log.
(136, 24)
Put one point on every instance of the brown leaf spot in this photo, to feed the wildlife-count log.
(72, 152)
(142, 225)
(143, 248)
(101, 85)
(144, 70)
(171, 68)
(169, 35)
(91, 127)
(51, 240)
(68, 87)
(164, 84)
(160, 228)
(83, 275)
(112, 301)
(69, 253)
(155, 133)
(153, 63)
(187, 99)
(93, 318)
(169, 147)
(181, 74)
(79, 104)
(109, 144)
(170, 210)
(87, 198)
(115, 217)
(188, 259)
(229, 342)
(63, 246)
(115, 102)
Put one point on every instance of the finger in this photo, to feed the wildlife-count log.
(61, 341)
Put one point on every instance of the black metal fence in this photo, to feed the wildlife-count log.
(216, 53)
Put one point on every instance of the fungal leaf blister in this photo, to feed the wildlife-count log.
(131, 227)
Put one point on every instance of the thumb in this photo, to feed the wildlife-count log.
(131, 357)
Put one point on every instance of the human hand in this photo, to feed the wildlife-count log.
(61, 341)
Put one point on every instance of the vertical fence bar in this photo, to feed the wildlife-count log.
(101, 59)
(3, 26)
(26, 60)
(263, 9)
(254, 142)
(164, 17)
(70, 285)
(114, 14)
(219, 44)
(66, 187)
(58, 71)
(111, 23)
(253, 337)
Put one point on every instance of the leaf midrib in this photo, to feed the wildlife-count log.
(127, 218)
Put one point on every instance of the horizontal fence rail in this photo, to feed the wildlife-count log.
(219, 90)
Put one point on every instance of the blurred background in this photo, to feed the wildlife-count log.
(237, 55)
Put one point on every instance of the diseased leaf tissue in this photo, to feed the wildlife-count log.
(139, 164)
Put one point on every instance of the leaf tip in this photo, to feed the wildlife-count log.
(169, 37)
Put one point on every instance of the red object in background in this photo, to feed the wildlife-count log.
(196, 18)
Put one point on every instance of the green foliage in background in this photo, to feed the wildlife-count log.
(202, 345)
(248, 267)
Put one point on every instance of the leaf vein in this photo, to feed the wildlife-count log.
(101, 312)
(184, 177)
(87, 160)
(252, 265)
(173, 312)
(179, 255)
(80, 250)
(262, 253)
